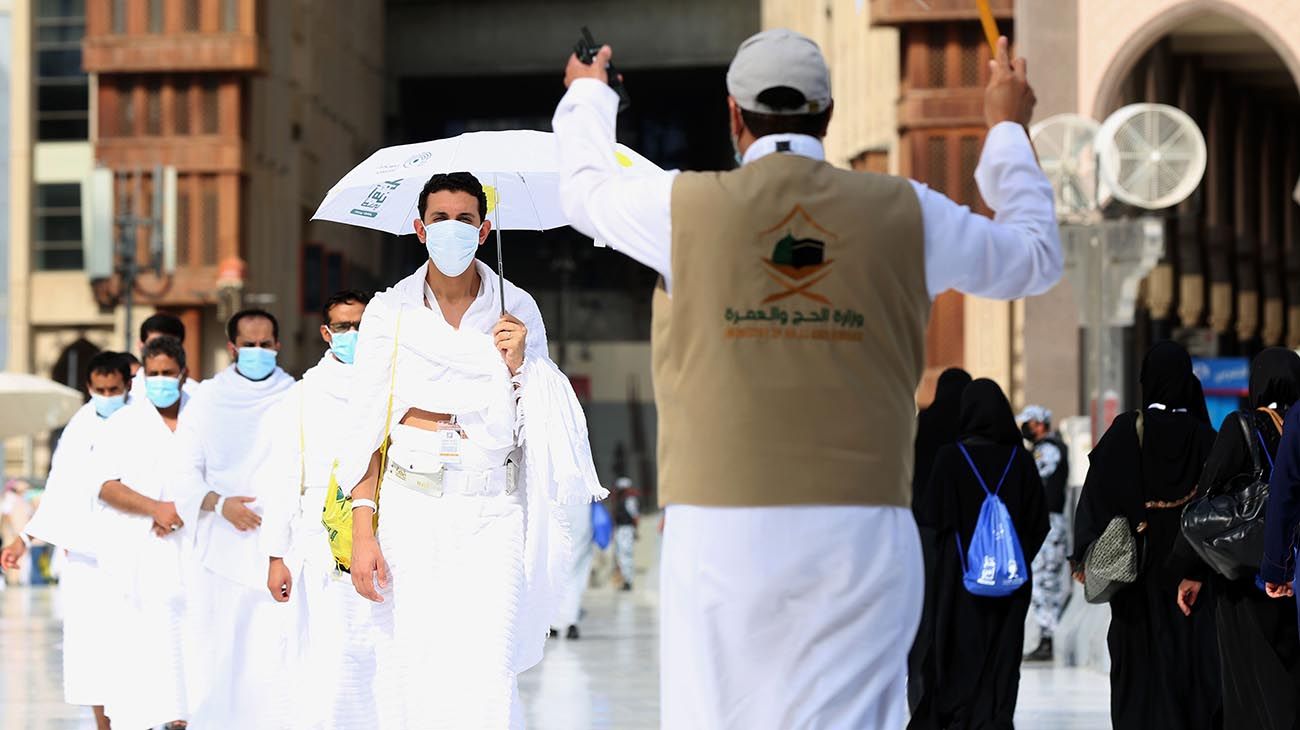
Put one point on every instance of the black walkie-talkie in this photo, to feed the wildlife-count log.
(586, 49)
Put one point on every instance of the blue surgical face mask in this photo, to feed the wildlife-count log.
(107, 405)
(451, 245)
(344, 345)
(162, 390)
(255, 363)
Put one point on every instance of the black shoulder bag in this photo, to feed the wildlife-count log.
(1226, 528)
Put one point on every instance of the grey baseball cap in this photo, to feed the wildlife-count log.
(779, 58)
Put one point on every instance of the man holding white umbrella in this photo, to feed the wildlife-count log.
(478, 440)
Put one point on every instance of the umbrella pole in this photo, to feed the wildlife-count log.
(501, 267)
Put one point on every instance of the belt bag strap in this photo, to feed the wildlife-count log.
(489, 482)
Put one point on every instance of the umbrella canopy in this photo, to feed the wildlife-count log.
(30, 404)
(519, 169)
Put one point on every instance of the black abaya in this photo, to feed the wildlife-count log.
(1164, 666)
(977, 642)
(936, 426)
(1258, 642)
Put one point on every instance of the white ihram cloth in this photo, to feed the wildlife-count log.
(146, 572)
(569, 607)
(474, 578)
(1016, 254)
(334, 654)
(67, 519)
(237, 635)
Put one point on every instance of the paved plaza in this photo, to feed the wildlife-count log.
(607, 680)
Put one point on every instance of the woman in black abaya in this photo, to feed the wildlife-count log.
(936, 427)
(978, 641)
(1163, 665)
(1259, 647)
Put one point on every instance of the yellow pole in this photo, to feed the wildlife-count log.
(990, 25)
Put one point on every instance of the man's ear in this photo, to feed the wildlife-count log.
(484, 231)
(734, 120)
(420, 231)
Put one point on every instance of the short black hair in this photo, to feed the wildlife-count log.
(347, 296)
(784, 97)
(457, 182)
(166, 345)
(232, 327)
(164, 324)
(108, 362)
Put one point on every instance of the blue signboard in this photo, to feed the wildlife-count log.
(1223, 376)
(1226, 380)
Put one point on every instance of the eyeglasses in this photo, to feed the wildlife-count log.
(339, 328)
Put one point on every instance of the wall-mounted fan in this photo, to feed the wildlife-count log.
(1151, 155)
(1064, 143)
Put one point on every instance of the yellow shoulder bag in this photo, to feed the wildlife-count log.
(337, 515)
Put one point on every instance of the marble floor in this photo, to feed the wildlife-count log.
(608, 679)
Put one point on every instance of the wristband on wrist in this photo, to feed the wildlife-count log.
(365, 503)
(221, 501)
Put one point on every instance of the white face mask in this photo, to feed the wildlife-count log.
(451, 245)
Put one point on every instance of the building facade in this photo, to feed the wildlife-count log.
(260, 105)
(1229, 281)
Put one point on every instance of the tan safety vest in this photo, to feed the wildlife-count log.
(787, 356)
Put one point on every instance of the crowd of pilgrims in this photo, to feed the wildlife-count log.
(1189, 648)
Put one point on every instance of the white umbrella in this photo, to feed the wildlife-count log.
(519, 169)
(30, 404)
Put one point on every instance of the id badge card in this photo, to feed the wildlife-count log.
(449, 438)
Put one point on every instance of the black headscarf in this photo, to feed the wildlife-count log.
(1275, 378)
(1167, 379)
(1164, 465)
(948, 390)
(936, 426)
(986, 414)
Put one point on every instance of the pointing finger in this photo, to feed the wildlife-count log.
(1003, 56)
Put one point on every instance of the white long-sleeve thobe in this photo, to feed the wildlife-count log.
(238, 635)
(67, 519)
(147, 572)
(726, 662)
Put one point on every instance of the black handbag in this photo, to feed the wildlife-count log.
(1226, 529)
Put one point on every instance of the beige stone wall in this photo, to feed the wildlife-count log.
(1048, 364)
(1113, 34)
(864, 72)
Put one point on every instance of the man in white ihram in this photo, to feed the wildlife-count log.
(237, 633)
(66, 519)
(790, 328)
(486, 444)
(145, 544)
(334, 660)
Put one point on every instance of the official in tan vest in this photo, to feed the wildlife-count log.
(788, 342)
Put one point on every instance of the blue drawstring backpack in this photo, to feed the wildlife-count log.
(994, 565)
(602, 525)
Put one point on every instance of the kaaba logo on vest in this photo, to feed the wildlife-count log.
(798, 262)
